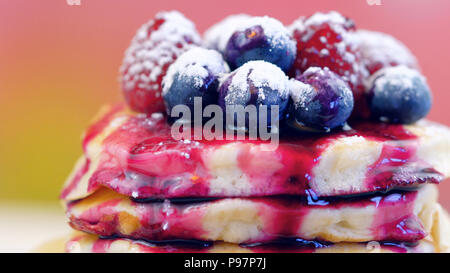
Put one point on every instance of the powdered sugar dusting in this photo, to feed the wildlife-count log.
(174, 27)
(300, 92)
(278, 34)
(310, 24)
(151, 52)
(314, 70)
(347, 46)
(260, 74)
(297, 25)
(196, 63)
(332, 17)
(217, 36)
(381, 50)
(400, 76)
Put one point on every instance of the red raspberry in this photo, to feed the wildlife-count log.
(155, 46)
(330, 40)
(381, 50)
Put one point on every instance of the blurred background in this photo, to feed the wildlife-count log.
(59, 63)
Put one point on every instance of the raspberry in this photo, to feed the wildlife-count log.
(380, 50)
(155, 46)
(330, 40)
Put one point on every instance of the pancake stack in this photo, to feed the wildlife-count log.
(356, 168)
(371, 188)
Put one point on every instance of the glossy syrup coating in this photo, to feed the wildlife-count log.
(88, 243)
(395, 216)
(137, 156)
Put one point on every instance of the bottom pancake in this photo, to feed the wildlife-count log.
(438, 241)
(87, 243)
(396, 216)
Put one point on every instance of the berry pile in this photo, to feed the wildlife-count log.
(319, 71)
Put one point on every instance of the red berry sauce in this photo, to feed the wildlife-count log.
(281, 217)
(142, 160)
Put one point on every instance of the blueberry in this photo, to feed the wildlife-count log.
(194, 74)
(261, 38)
(217, 36)
(398, 95)
(321, 100)
(256, 83)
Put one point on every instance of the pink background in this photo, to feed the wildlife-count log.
(59, 63)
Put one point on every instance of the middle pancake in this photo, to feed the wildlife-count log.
(395, 216)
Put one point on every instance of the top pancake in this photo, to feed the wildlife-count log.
(135, 155)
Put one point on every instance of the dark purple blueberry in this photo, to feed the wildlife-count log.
(321, 100)
(256, 83)
(261, 38)
(217, 36)
(398, 95)
(194, 74)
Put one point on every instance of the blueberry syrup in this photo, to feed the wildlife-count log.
(392, 223)
(395, 164)
(176, 201)
(381, 131)
(103, 244)
(89, 222)
(101, 124)
(305, 246)
(76, 179)
(398, 247)
(142, 160)
(287, 245)
(281, 217)
(166, 246)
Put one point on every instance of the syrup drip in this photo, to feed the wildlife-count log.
(281, 217)
(140, 159)
(103, 244)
